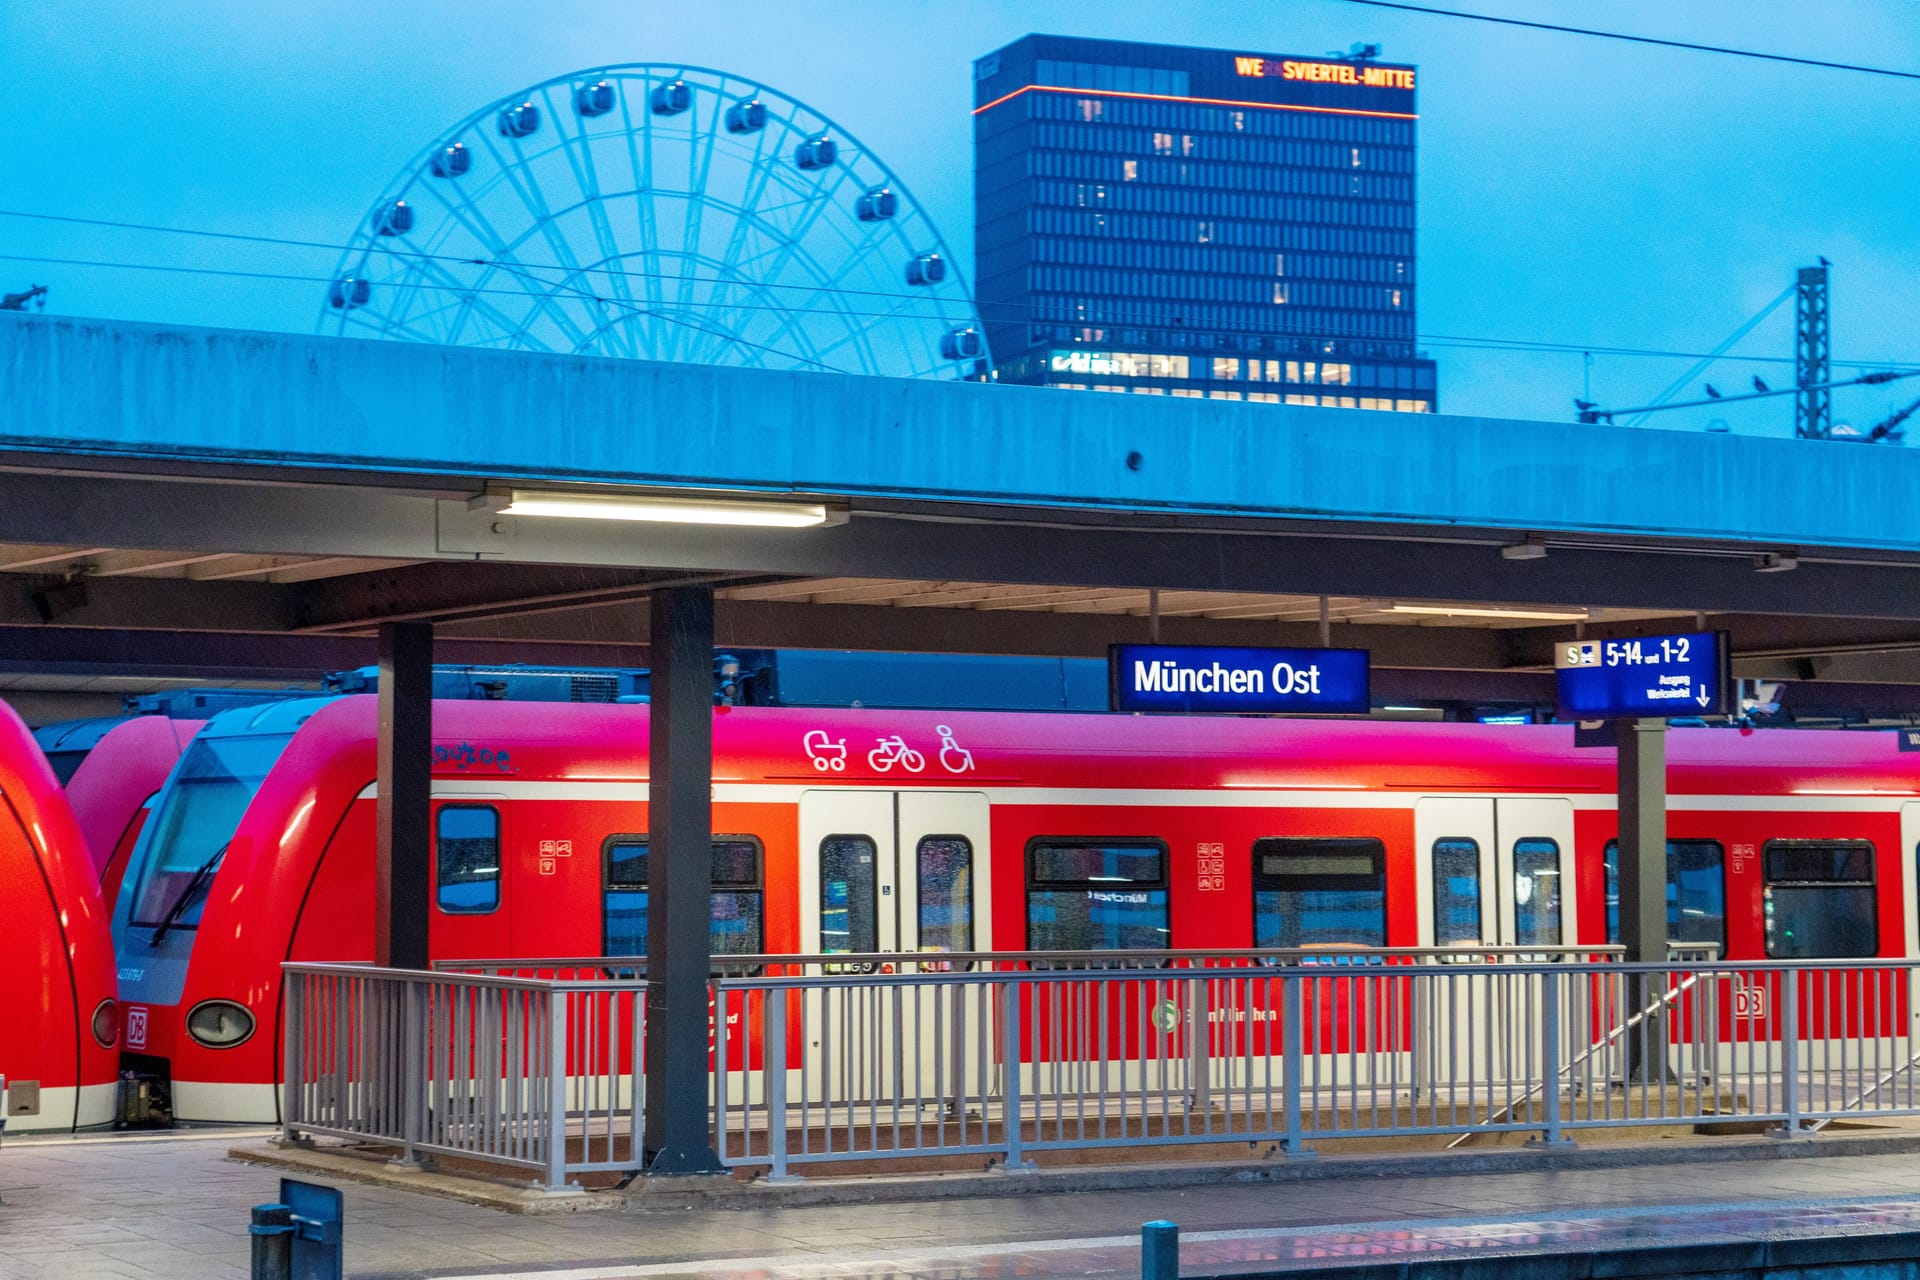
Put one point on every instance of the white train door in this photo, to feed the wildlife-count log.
(1489, 873)
(1496, 873)
(1908, 861)
(894, 871)
(888, 872)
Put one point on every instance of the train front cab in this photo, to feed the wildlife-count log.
(170, 878)
(59, 1022)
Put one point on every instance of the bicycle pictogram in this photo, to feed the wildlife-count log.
(892, 751)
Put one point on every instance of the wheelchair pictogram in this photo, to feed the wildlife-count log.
(954, 758)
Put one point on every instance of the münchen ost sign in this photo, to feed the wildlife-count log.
(1203, 678)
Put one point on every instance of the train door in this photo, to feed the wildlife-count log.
(1489, 873)
(1909, 862)
(1495, 873)
(890, 872)
(893, 871)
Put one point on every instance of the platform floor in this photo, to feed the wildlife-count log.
(175, 1207)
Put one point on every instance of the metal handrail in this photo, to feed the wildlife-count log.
(1143, 958)
(1589, 1053)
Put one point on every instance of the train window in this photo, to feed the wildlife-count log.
(849, 895)
(944, 867)
(1456, 891)
(737, 901)
(1696, 892)
(467, 848)
(1818, 903)
(1536, 892)
(200, 808)
(1317, 891)
(1096, 895)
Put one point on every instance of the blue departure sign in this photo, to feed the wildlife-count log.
(1160, 677)
(1664, 676)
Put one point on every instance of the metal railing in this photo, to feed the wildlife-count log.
(811, 1066)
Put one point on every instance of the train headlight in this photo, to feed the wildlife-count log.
(106, 1023)
(219, 1024)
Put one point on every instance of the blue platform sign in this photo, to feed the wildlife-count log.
(1652, 676)
(1203, 678)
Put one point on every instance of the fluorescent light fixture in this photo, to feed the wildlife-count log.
(1531, 549)
(748, 512)
(1404, 708)
(1468, 611)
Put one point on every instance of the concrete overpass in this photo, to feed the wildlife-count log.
(280, 495)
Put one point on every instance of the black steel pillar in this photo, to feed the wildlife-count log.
(403, 872)
(1642, 854)
(1643, 839)
(679, 879)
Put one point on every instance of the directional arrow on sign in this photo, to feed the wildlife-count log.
(1703, 697)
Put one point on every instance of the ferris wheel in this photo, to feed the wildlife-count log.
(661, 213)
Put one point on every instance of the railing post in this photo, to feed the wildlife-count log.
(1790, 1053)
(1199, 1064)
(294, 1067)
(1552, 1138)
(773, 1059)
(413, 1075)
(556, 1174)
(1012, 1102)
(1292, 1063)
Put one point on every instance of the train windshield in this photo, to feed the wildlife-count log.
(199, 811)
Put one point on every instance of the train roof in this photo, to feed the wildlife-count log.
(856, 747)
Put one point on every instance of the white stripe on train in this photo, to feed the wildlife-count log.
(1224, 798)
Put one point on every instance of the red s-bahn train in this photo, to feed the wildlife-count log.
(59, 1023)
(877, 831)
(110, 789)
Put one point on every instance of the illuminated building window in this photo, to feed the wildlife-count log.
(1203, 232)
(1190, 393)
(1186, 144)
(1223, 395)
(1239, 119)
(1149, 391)
(1279, 264)
(1356, 157)
(1226, 367)
(1092, 109)
(1396, 297)
(1294, 399)
(1282, 291)
(1163, 144)
(1130, 170)
(1411, 406)
(1264, 397)
(1107, 387)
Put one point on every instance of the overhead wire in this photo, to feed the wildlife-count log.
(1693, 46)
(1522, 346)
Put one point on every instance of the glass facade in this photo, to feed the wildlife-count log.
(1197, 222)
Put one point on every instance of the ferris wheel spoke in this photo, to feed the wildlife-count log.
(643, 204)
(521, 180)
(587, 175)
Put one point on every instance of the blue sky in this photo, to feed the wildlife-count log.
(1572, 190)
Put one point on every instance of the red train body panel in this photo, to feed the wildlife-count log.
(903, 831)
(58, 1021)
(110, 790)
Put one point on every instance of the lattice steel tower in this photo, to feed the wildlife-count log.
(1812, 350)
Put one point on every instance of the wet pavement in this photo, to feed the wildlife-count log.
(160, 1208)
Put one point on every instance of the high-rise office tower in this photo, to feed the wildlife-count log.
(1198, 222)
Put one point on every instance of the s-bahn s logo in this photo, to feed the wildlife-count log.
(466, 756)
(136, 1026)
(826, 754)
